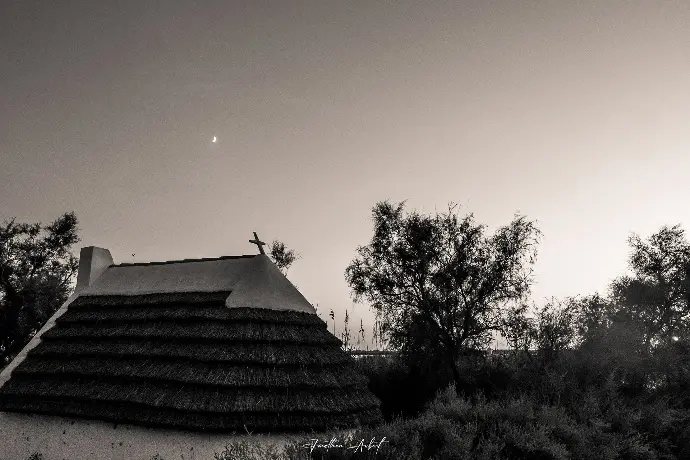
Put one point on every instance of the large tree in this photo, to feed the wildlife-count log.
(36, 274)
(437, 283)
(655, 298)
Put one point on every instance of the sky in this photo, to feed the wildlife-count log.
(574, 114)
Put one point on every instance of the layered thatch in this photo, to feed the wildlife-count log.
(187, 361)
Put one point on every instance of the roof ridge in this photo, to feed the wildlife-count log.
(203, 259)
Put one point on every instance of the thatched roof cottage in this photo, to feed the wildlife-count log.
(177, 358)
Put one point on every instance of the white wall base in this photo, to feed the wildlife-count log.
(58, 438)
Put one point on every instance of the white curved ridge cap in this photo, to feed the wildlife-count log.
(184, 276)
(254, 282)
(264, 286)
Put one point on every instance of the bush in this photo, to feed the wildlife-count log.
(247, 451)
(459, 428)
(403, 388)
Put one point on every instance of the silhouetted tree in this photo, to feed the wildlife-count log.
(655, 298)
(282, 256)
(437, 282)
(36, 274)
(593, 316)
(554, 330)
(518, 327)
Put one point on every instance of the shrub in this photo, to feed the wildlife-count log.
(402, 387)
(241, 450)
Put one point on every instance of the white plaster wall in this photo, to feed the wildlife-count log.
(255, 282)
(264, 286)
(58, 438)
(93, 261)
(204, 276)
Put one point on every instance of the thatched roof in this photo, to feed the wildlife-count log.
(186, 360)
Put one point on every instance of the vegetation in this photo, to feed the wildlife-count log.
(281, 256)
(655, 298)
(592, 377)
(36, 274)
(588, 377)
(437, 284)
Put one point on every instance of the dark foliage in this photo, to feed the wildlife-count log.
(36, 272)
(436, 283)
(656, 298)
(403, 387)
(281, 256)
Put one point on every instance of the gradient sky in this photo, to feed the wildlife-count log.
(575, 114)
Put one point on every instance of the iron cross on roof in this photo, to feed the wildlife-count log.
(259, 243)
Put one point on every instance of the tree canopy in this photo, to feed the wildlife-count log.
(281, 256)
(36, 274)
(656, 297)
(436, 282)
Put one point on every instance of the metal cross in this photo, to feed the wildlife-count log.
(259, 243)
